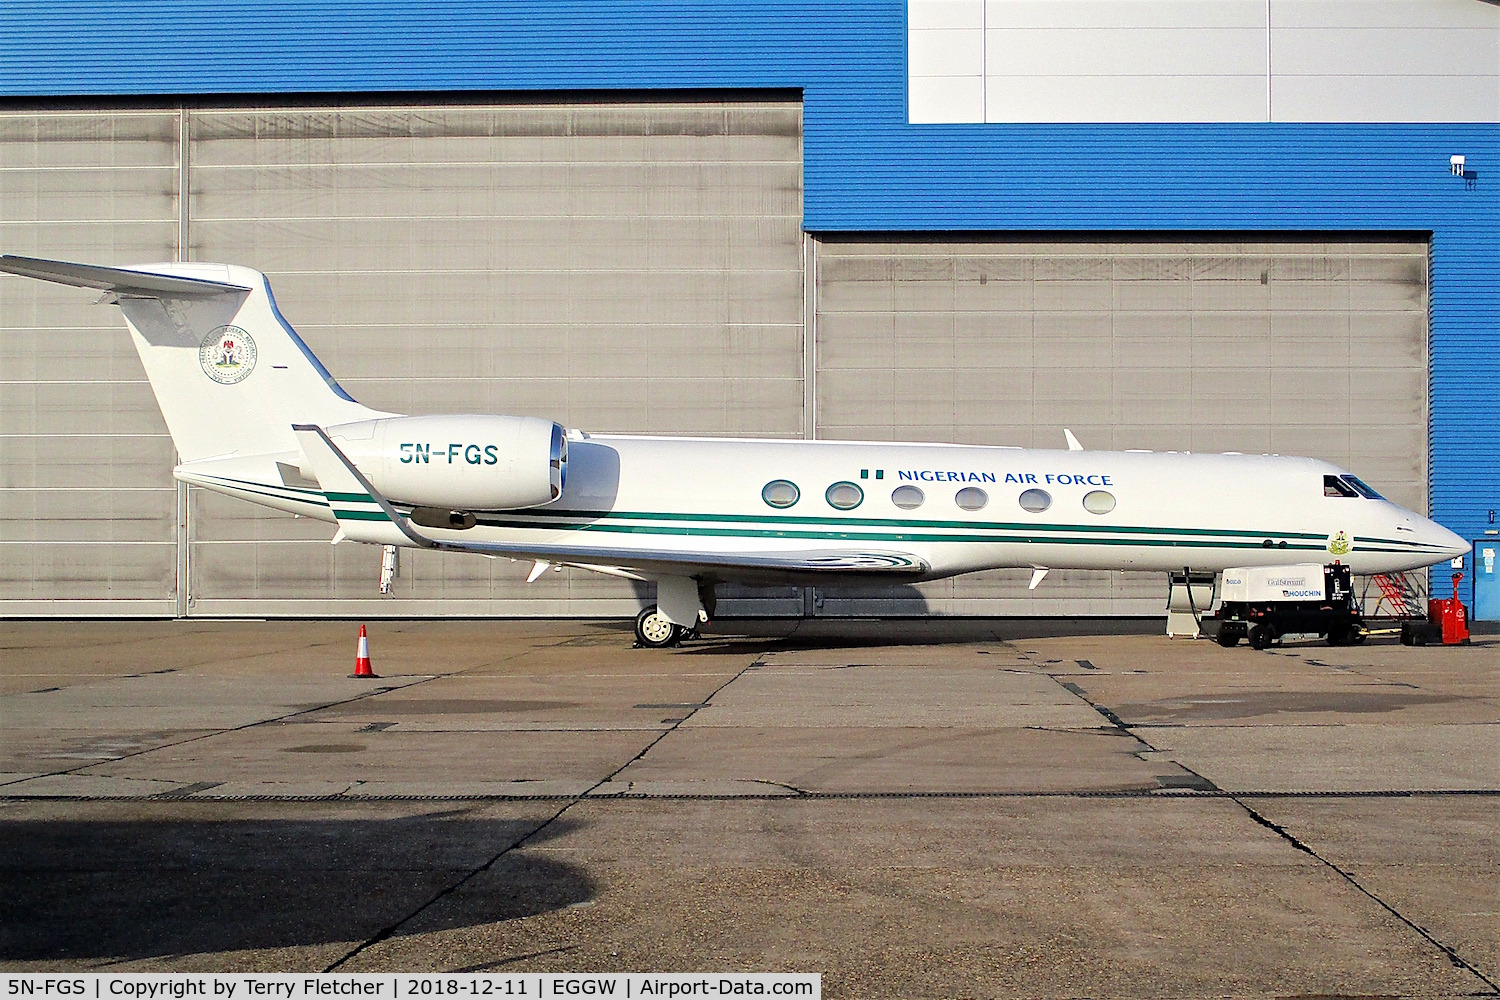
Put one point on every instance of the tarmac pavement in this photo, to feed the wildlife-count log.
(959, 808)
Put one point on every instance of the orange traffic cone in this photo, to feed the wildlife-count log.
(362, 657)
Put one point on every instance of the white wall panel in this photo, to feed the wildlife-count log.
(1125, 99)
(1205, 60)
(1094, 52)
(947, 52)
(1126, 14)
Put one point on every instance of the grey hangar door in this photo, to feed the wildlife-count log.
(628, 265)
(1310, 346)
(89, 514)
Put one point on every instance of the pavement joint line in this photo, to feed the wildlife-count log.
(1447, 950)
(390, 929)
(1079, 693)
(373, 692)
(1426, 935)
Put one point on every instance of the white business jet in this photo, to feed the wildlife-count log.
(255, 415)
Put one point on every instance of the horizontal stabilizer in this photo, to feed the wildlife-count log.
(123, 280)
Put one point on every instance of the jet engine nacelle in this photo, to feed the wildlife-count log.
(459, 462)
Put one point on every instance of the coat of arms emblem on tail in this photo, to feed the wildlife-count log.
(227, 355)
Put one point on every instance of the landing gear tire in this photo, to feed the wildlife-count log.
(1229, 637)
(1261, 636)
(653, 631)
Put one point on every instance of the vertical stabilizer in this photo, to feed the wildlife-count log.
(230, 374)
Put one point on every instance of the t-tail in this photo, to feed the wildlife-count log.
(230, 374)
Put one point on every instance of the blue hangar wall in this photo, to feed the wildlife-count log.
(866, 168)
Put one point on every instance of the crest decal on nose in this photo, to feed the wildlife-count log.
(1338, 544)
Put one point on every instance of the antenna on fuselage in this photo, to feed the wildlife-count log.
(1073, 444)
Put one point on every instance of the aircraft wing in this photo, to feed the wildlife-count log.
(364, 515)
(114, 279)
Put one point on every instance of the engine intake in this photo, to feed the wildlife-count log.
(459, 463)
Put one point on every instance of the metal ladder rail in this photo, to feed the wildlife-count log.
(1404, 602)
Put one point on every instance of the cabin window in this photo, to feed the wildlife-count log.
(1036, 501)
(844, 496)
(1333, 486)
(1098, 502)
(780, 493)
(907, 497)
(1363, 488)
(971, 498)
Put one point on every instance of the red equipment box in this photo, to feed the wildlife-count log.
(1447, 622)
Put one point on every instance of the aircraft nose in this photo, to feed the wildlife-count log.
(1450, 544)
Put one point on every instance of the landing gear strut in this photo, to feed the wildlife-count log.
(654, 631)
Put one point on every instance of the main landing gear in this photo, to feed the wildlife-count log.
(653, 631)
(686, 600)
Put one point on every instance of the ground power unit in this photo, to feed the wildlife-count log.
(1264, 603)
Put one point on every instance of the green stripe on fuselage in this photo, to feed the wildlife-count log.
(902, 536)
(884, 522)
(360, 515)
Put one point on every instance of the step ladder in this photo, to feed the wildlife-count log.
(1399, 598)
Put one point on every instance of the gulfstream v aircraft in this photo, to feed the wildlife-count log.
(255, 415)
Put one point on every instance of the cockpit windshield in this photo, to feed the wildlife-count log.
(1333, 486)
(1348, 486)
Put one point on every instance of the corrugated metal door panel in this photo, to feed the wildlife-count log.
(87, 501)
(1293, 346)
(634, 266)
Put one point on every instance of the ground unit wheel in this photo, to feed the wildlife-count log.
(1229, 637)
(1261, 636)
(653, 630)
(1340, 635)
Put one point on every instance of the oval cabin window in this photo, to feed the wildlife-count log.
(1098, 502)
(1036, 501)
(971, 498)
(907, 497)
(780, 493)
(844, 496)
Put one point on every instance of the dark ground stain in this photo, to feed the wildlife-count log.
(443, 706)
(1250, 704)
